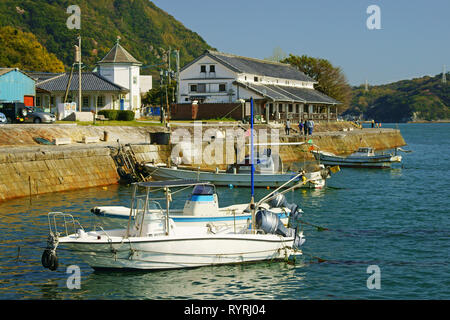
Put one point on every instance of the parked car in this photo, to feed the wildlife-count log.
(3, 118)
(17, 112)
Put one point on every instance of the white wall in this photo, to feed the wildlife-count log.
(192, 75)
(222, 75)
(127, 76)
(146, 84)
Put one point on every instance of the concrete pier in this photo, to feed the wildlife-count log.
(28, 168)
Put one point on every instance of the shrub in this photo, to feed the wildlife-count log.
(126, 115)
(110, 114)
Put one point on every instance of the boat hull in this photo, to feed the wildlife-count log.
(380, 161)
(234, 179)
(176, 252)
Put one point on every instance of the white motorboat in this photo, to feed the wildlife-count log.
(201, 208)
(266, 174)
(362, 158)
(152, 240)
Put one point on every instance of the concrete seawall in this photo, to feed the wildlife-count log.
(343, 143)
(27, 168)
(35, 172)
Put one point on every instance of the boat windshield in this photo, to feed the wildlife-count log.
(203, 189)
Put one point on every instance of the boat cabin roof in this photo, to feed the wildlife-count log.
(169, 183)
(204, 189)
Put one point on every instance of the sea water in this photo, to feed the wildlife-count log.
(387, 237)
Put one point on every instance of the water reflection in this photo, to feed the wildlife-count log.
(249, 281)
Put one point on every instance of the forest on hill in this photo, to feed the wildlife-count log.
(145, 30)
(22, 50)
(426, 98)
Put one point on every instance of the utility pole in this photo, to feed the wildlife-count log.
(163, 120)
(79, 73)
(168, 57)
(178, 76)
(167, 95)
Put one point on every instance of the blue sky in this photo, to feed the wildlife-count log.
(414, 39)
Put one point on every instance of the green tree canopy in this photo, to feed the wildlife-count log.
(425, 98)
(22, 50)
(331, 80)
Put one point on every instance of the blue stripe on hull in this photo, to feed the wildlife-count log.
(192, 219)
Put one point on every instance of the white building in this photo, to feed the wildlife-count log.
(97, 92)
(120, 67)
(279, 90)
(115, 84)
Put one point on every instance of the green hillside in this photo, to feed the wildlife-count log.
(145, 30)
(425, 98)
(22, 50)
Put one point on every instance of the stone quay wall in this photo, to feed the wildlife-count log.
(36, 172)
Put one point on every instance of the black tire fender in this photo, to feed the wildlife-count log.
(46, 258)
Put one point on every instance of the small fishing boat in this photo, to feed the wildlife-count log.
(153, 241)
(201, 208)
(266, 173)
(362, 158)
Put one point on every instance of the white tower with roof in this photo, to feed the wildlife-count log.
(120, 67)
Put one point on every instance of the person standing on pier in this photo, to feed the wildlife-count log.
(310, 127)
(288, 126)
(305, 127)
(300, 127)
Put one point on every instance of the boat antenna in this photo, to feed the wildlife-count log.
(252, 201)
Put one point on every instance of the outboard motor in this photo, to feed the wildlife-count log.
(280, 201)
(270, 223)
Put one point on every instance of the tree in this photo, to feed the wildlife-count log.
(153, 96)
(22, 50)
(277, 55)
(331, 80)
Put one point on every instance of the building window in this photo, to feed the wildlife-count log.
(222, 87)
(201, 87)
(38, 101)
(290, 108)
(256, 79)
(85, 104)
(212, 68)
(193, 88)
(202, 68)
(100, 101)
(134, 80)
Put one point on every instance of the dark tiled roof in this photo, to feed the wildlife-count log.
(41, 76)
(119, 55)
(259, 67)
(290, 94)
(90, 81)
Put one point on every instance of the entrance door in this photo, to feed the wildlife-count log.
(28, 101)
